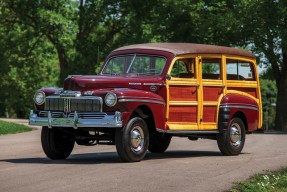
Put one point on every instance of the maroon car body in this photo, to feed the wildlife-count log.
(147, 93)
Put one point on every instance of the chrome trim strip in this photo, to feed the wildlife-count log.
(141, 100)
(155, 84)
(239, 104)
(108, 121)
(251, 107)
(82, 97)
(135, 83)
(68, 93)
(185, 132)
(138, 97)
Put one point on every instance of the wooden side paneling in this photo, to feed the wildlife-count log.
(182, 113)
(182, 93)
(209, 114)
(211, 93)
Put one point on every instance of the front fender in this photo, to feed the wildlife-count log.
(130, 100)
(48, 91)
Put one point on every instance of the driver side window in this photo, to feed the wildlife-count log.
(184, 68)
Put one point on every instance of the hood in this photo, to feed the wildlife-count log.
(84, 83)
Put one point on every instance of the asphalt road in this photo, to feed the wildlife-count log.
(186, 166)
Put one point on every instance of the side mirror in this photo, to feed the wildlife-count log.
(167, 77)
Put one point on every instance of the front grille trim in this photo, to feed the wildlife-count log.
(68, 94)
(97, 115)
(79, 104)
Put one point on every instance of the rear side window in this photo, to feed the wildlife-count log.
(211, 69)
(239, 70)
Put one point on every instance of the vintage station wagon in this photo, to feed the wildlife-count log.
(147, 93)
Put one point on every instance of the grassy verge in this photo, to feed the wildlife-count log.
(10, 128)
(272, 181)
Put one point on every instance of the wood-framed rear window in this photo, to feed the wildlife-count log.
(239, 70)
(211, 68)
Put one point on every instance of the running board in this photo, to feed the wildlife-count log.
(188, 132)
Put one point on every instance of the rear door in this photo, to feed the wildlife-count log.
(213, 88)
(183, 108)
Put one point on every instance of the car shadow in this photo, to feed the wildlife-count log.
(181, 154)
(111, 157)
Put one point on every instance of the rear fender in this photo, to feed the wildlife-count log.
(238, 104)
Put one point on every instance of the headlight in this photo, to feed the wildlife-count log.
(110, 99)
(39, 97)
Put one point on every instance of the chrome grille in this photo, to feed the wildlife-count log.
(54, 114)
(79, 104)
(44, 114)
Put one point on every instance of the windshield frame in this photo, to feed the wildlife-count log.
(134, 56)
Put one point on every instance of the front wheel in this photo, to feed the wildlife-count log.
(132, 140)
(56, 143)
(231, 141)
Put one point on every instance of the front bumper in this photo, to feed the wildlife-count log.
(75, 120)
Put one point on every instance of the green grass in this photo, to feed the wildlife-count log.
(11, 128)
(272, 181)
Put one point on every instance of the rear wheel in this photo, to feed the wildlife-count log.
(132, 140)
(231, 141)
(158, 143)
(56, 143)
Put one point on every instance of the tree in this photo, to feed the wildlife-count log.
(259, 25)
(49, 19)
(82, 32)
(263, 26)
(73, 37)
(79, 34)
(26, 64)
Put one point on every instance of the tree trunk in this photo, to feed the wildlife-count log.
(63, 63)
(281, 103)
(281, 108)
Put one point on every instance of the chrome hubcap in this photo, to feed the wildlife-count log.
(137, 139)
(235, 135)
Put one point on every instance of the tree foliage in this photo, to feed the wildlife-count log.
(27, 63)
(263, 26)
(42, 42)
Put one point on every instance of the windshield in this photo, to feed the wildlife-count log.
(135, 64)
